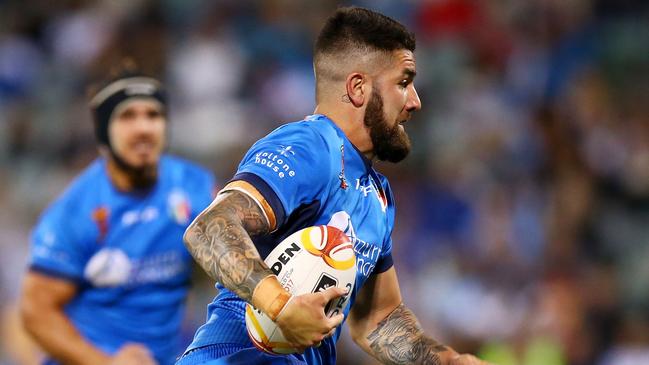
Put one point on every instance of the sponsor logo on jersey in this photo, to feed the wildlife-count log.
(140, 216)
(111, 267)
(366, 253)
(278, 163)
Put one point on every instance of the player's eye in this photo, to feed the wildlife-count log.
(153, 114)
(127, 114)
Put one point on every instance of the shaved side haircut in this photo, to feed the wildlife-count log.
(356, 40)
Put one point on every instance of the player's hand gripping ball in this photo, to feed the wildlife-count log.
(308, 261)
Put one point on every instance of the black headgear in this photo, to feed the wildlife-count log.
(106, 101)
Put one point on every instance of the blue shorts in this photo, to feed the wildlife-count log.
(220, 354)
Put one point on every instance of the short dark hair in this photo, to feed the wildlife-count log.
(355, 26)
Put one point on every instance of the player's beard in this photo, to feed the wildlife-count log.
(390, 143)
(142, 177)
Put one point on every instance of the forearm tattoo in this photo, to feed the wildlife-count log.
(219, 240)
(399, 339)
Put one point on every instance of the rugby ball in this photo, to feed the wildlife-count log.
(308, 261)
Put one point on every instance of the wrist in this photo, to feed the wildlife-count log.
(447, 356)
(270, 297)
(101, 357)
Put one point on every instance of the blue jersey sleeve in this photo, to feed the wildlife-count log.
(385, 259)
(56, 247)
(289, 167)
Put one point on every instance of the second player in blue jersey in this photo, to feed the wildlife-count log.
(109, 274)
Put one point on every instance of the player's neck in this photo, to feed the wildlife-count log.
(120, 178)
(351, 123)
(128, 181)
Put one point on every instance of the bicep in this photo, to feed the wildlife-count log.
(42, 292)
(379, 297)
(234, 206)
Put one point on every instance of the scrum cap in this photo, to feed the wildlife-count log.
(108, 99)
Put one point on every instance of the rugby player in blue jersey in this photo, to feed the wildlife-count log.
(319, 171)
(108, 272)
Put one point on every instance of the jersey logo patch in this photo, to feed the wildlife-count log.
(100, 216)
(278, 163)
(380, 195)
(108, 267)
(179, 208)
(367, 254)
(148, 214)
(285, 150)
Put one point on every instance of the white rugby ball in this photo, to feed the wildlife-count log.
(308, 261)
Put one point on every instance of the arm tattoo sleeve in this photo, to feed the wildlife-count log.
(399, 339)
(219, 240)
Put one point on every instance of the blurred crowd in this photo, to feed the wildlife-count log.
(522, 230)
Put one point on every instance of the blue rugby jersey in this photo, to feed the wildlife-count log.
(309, 173)
(125, 252)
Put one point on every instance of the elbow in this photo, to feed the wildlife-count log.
(357, 335)
(187, 236)
(358, 340)
(191, 233)
(29, 313)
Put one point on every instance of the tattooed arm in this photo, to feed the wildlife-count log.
(386, 329)
(219, 240)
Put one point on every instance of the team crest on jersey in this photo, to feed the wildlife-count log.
(100, 216)
(380, 195)
(179, 208)
(368, 186)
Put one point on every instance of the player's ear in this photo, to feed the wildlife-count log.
(356, 86)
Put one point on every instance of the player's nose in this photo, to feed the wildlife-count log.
(413, 103)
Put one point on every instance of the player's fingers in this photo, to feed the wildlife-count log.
(333, 293)
(144, 357)
(335, 321)
(147, 361)
(299, 349)
(143, 354)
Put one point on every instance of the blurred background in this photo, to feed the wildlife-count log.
(522, 231)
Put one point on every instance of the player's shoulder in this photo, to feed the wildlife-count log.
(77, 195)
(312, 131)
(184, 172)
(184, 166)
(87, 180)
